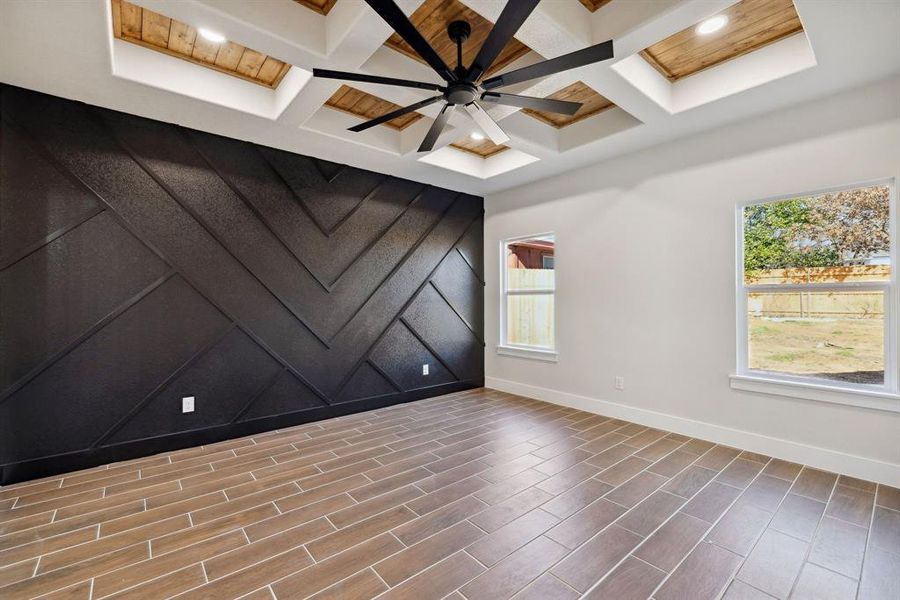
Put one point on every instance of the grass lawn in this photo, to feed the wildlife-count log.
(840, 349)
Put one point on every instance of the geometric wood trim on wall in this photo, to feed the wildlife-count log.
(142, 261)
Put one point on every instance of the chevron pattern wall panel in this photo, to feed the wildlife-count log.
(141, 262)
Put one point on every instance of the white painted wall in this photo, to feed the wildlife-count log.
(645, 276)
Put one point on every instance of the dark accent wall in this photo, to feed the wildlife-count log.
(141, 262)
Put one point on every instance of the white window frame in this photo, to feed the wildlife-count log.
(882, 397)
(505, 348)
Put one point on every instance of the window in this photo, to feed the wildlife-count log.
(817, 294)
(529, 287)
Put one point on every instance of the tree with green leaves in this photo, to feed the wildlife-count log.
(817, 231)
(770, 237)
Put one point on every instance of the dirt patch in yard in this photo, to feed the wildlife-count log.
(850, 350)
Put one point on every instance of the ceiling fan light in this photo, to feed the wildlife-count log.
(712, 24)
(477, 136)
(212, 36)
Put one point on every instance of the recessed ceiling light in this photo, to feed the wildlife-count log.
(477, 136)
(712, 24)
(216, 38)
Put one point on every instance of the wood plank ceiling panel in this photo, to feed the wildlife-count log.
(592, 103)
(593, 5)
(484, 148)
(751, 25)
(152, 30)
(361, 104)
(432, 18)
(320, 6)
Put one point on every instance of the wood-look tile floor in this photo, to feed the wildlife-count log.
(475, 495)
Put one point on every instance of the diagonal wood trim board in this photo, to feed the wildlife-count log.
(289, 309)
(822, 458)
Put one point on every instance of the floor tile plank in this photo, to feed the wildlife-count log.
(739, 528)
(476, 494)
(644, 518)
(513, 573)
(438, 580)
(839, 546)
(774, 564)
(798, 516)
(703, 575)
(673, 541)
(429, 551)
(587, 522)
(593, 560)
(816, 583)
(504, 541)
(135, 574)
(361, 586)
(632, 580)
(545, 587)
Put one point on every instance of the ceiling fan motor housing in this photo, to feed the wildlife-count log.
(461, 92)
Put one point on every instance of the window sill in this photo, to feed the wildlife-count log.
(873, 399)
(529, 353)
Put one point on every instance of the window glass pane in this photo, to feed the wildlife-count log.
(829, 238)
(837, 336)
(529, 320)
(527, 266)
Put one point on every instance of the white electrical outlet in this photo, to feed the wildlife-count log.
(187, 404)
(425, 369)
(620, 382)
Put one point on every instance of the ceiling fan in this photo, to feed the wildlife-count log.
(464, 85)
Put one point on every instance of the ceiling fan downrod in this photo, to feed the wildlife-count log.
(462, 91)
(459, 32)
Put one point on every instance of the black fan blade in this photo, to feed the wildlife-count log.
(393, 16)
(579, 58)
(514, 14)
(393, 115)
(436, 129)
(328, 74)
(562, 107)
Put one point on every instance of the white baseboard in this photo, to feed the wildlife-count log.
(814, 456)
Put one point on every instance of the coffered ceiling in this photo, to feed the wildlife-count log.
(320, 6)
(432, 18)
(591, 104)
(593, 5)
(368, 106)
(484, 148)
(750, 25)
(666, 81)
(158, 32)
